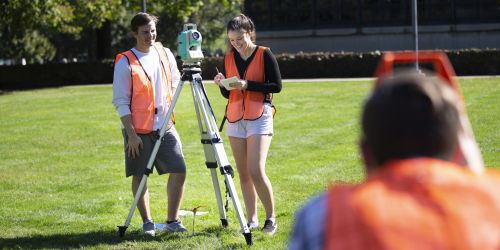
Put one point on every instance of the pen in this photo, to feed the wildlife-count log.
(217, 70)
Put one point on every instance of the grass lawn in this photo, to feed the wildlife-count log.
(62, 177)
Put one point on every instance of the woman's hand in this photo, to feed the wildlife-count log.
(217, 79)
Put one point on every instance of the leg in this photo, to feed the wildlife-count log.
(257, 147)
(175, 190)
(143, 203)
(239, 148)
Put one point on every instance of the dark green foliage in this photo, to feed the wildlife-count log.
(42, 31)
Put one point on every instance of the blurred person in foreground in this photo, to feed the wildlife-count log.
(249, 113)
(415, 196)
(145, 78)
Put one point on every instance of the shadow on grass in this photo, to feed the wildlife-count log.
(103, 238)
(77, 240)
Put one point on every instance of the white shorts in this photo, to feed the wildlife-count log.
(246, 128)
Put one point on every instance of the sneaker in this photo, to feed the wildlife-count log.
(252, 225)
(148, 228)
(270, 227)
(174, 226)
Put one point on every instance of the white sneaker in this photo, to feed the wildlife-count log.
(148, 228)
(252, 225)
(270, 227)
(175, 226)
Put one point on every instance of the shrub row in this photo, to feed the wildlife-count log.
(301, 65)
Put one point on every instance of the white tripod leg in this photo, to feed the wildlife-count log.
(149, 167)
(211, 161)
(214, 148)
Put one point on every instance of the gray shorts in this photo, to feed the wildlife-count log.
(169, 158)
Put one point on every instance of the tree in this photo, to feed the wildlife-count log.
(213, 17)
(41, 30)
(27, 28)
(209, 15)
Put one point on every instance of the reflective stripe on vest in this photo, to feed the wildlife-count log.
(142, 102)
(419, 203)
(245, 104)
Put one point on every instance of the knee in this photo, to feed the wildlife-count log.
(136, 179)
(245, 177)
(257, 175)
(180, 177)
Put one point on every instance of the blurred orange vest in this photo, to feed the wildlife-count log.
(142, 103)
(245, 104)
(420, 203)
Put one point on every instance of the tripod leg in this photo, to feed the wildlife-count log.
(218, 196)
(137, 196)
(211, 137)
(149, 167)
(239, 209)
(211, 161)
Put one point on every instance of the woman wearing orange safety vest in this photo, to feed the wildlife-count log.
(415, 196)
(250, 115)
(145, 78)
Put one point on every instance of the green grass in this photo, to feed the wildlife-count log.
(62, 177)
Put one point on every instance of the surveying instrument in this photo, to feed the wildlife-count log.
(189, 50)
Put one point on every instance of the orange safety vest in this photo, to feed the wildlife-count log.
(245, 104)
(420, 203)
(142, 102)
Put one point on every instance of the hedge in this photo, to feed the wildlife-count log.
(292, 66)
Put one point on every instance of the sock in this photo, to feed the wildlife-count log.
(273, 219)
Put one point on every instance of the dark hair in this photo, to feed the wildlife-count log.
(141, 19)
(241, 22)
(410, 115)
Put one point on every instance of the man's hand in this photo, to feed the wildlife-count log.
(134, 142)
(134, 146)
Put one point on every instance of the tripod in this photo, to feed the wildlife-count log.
(215, 154)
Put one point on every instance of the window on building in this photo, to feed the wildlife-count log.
(434, 11)
(260, 12)
(385, 12)
(476, 11)
(292, 13)
(312, 14)
(334, 13)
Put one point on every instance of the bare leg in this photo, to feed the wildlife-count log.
(143, 203)
(258, 147)
(175, 190)
(239, 148)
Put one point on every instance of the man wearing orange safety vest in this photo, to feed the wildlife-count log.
(145, 78)
(415, 196)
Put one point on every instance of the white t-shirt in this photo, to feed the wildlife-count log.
(122, 83)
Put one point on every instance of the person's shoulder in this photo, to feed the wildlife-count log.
(315, 207)
(308, 230)
(267, 50)
(268, 54)
(169, 52)
(121, 61)
(493, 176)
(167, 49)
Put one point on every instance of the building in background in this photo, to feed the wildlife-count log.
(369, 25)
